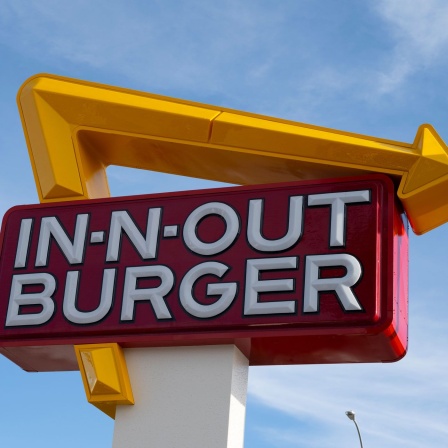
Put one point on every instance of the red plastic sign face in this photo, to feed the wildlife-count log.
(308, 272)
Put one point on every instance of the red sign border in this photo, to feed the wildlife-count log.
(278, 346)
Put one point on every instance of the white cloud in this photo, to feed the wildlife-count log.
(230, 46)
(420, 33)
(180, 43)
(391, 400)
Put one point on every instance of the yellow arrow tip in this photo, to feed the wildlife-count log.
(431, 165)
(423, 190)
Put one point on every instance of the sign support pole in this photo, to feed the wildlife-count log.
(185, 396)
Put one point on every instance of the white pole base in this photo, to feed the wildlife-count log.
(185, 397)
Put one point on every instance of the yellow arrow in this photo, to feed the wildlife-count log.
(75, 129)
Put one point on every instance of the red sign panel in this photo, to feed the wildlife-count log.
(309, 272)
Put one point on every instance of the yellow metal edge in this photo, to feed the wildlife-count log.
(212, 107)
(107, 402)
(400, 156)
(56, 172)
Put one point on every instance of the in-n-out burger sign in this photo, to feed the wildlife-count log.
(292, 273)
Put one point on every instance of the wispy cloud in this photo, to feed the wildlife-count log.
(182, 44)
(231, 46)
(303, 60)
(420, 38)
(391, 400)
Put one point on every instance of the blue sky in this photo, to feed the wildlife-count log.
(376, 67)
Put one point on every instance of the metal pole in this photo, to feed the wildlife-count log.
(359, 433)
(351, 416)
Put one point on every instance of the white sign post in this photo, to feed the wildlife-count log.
(186, 397)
